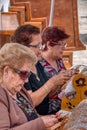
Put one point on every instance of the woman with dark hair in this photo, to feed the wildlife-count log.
(53, 41)
(54, 35)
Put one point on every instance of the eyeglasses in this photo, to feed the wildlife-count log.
(59, 43)
(23, 74)
(36, 46)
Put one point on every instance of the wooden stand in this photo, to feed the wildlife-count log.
(65, 16)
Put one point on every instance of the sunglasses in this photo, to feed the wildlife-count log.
(35, 46)
(23, 74)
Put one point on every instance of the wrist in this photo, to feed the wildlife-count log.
(46, 89)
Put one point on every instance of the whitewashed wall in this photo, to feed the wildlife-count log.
(5, 4)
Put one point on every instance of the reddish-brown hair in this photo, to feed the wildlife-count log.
(53, 34)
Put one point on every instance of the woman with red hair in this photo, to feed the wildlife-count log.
(53, 41)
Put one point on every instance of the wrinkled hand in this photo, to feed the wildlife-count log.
(49, 120)
(62, 113)
(62, 77)
(66, 75)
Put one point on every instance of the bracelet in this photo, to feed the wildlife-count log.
(46, 89)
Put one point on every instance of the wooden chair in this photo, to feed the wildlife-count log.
(27, 8)
(42, 19)
(37, 24)
(67, 58)
(4, 37)
(21, 13)
(28, 16)
(9, 22)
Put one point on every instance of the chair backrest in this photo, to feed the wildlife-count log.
(28, 16)
(37, 24)
(42, 19)
(27, 8)
(67, 58)
(9, 21)
(21, 13)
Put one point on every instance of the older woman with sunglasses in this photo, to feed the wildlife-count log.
(16, 107)
(38, 87)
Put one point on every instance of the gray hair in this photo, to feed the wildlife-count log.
(15, 55)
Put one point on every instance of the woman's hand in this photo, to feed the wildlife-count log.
(64, 76)
(61, 78)
(49, 120)
(62, 113)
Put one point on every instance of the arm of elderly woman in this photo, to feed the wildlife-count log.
(11, 116)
